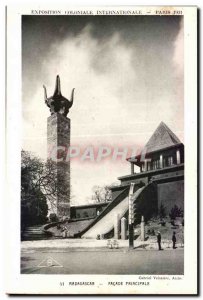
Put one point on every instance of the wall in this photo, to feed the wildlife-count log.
(170, 194)
(86, 212)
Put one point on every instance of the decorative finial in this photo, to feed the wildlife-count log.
(57, 103)
(57, 92)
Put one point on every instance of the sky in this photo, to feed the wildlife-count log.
(127, 72)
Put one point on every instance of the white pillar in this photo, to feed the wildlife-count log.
(142, 229)
(123, 228)
(178, 156)
(161, 161)
(116, 227)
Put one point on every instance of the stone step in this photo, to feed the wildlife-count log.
(33, 230)
(34, 233)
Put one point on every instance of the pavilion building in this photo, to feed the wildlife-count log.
(161, 162)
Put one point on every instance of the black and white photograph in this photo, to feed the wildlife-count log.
(104, 139)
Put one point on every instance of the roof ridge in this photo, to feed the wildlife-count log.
(173, 136)
(162, 137)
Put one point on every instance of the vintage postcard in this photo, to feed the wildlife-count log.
(102, 150)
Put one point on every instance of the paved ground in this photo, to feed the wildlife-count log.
(102, 261)
(91, 243)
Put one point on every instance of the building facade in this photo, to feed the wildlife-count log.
(162, 163)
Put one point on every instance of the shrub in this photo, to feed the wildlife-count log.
(175, 212)
(163, 223)
(53, 217)
(151, 232)
(172, 223)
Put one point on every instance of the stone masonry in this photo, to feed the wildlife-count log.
(58, 142)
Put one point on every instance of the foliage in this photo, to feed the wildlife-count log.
(162, 223)
(33, 209)
(172, 222)
(53, 217)
(37, 186)
(101, 194)
(175, 212)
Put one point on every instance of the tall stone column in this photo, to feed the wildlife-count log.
(58, 142)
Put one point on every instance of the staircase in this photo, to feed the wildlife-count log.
(34, 233)
(104, 223)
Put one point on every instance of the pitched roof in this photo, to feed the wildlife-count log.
(163, 137)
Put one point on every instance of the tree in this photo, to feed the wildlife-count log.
(107, 194)
(101, 194)
(176, 212)
(38, 184)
